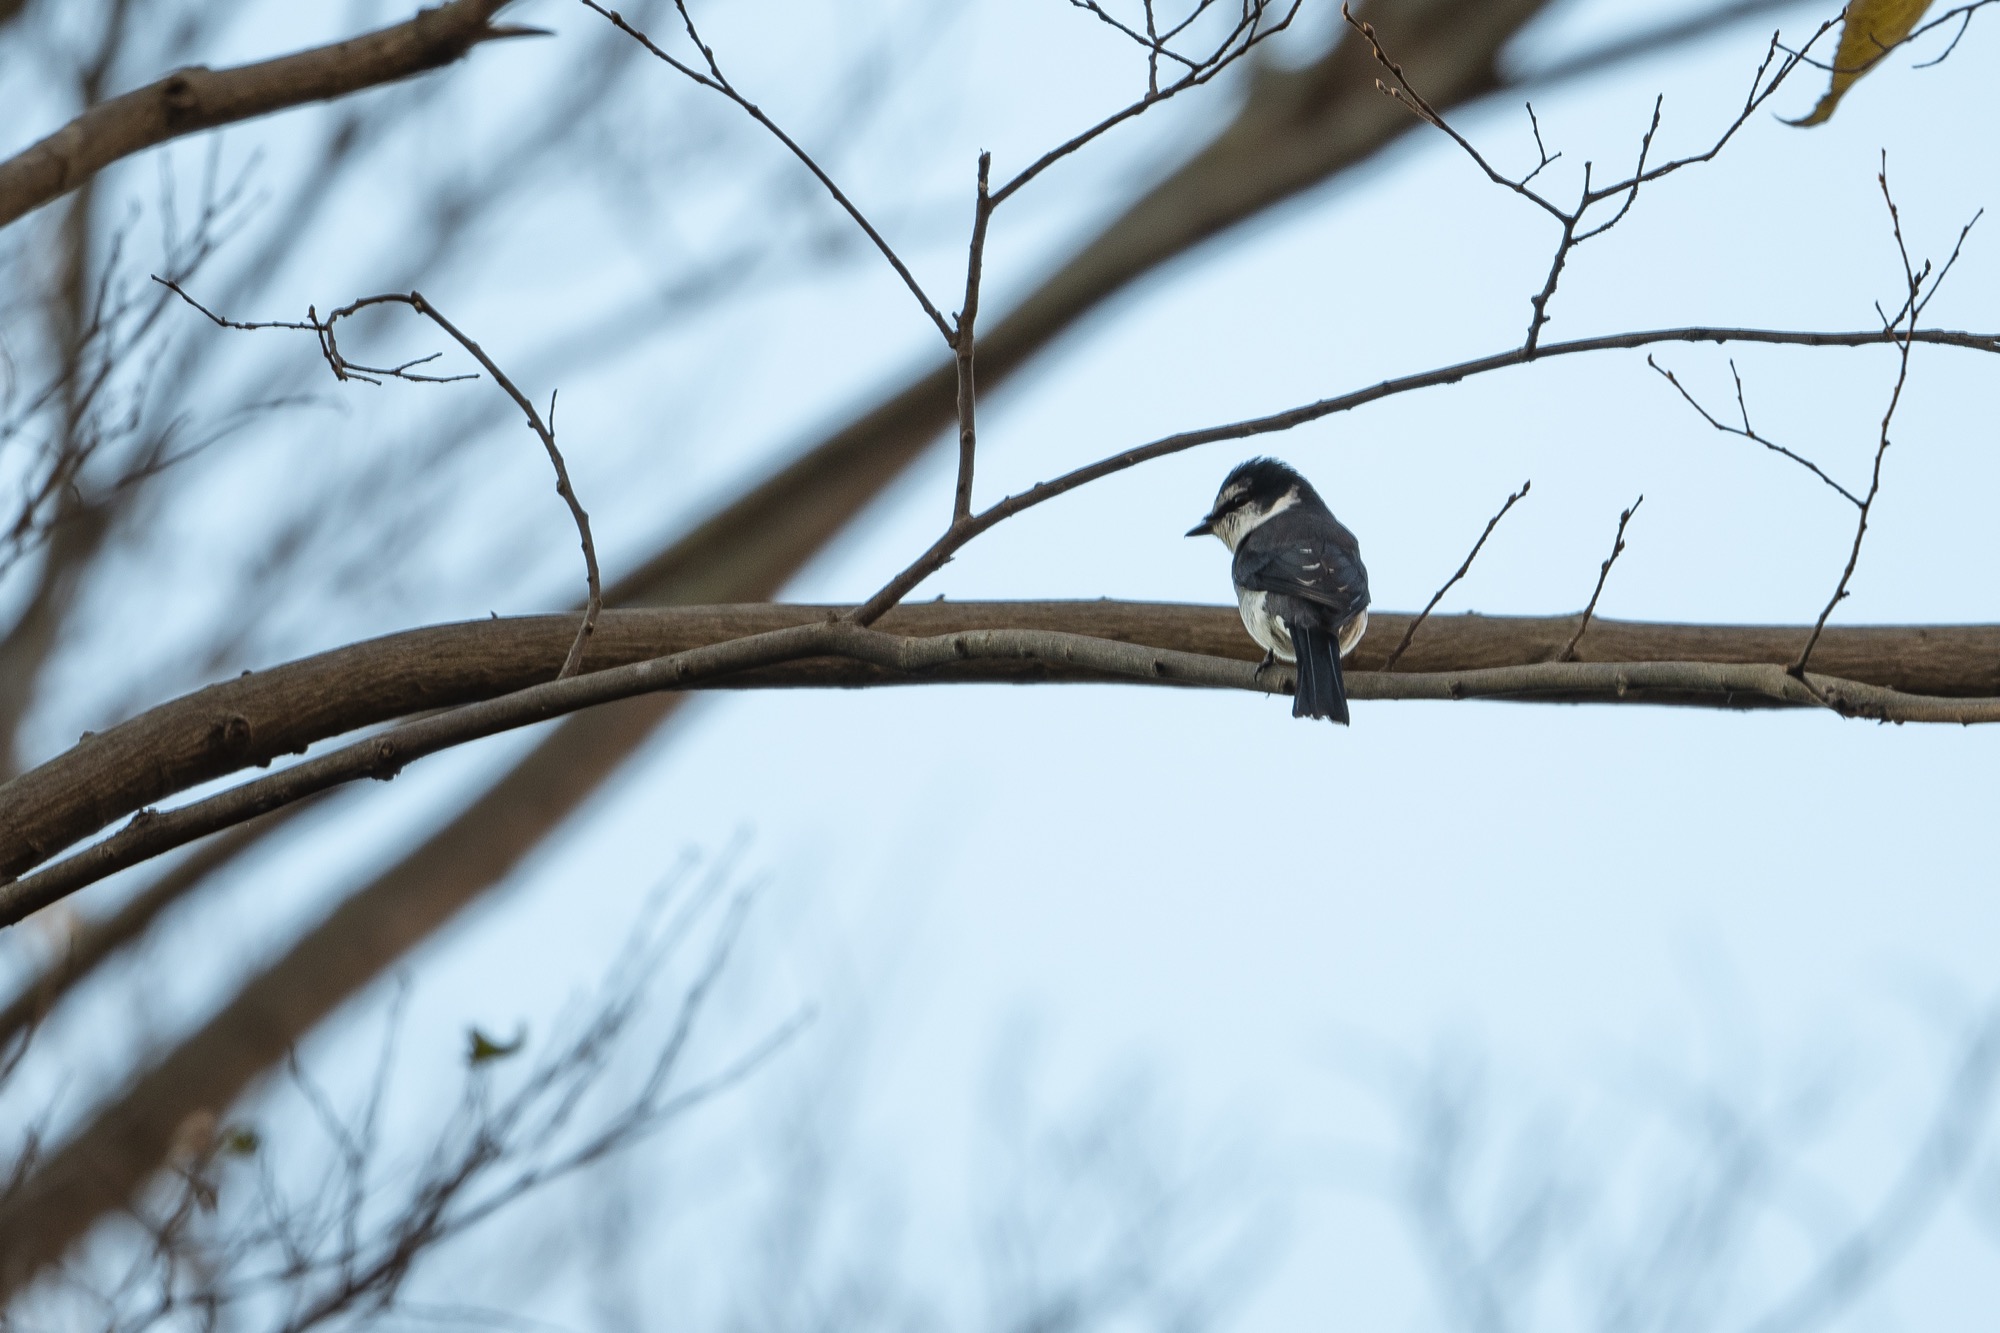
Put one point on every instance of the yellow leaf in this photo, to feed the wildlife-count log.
(1870, 29)
(480, 1048)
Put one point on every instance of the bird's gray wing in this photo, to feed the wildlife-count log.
(1306, 556)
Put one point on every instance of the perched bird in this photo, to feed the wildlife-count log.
(1300, 584)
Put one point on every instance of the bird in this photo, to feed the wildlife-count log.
(1300, 584)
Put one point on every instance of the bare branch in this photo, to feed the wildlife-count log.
(92, 942)
(1571, 218)
(1746, 430)
(1948, 1150)
(1568, 654)
(343, 369)
(200, 99)
(960, 533)
(1913, 279)
(381, 757)
(253, 720)
(1052, 653)
(962, 345)
(1463, 569)
(1245, 36)
(715, 80)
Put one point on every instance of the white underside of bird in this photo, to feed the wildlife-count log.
(1271, 634)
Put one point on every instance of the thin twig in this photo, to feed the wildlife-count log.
(1568, 654)
(715, 80)
(1913, 283)
(594, 602)
(1248, 33)
(344, 369)
(1747, 431)
(1571, 218)
(1438, 596)
(962, 345)
(1963, 13)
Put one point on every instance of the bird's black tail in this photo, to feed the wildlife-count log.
(1321, 691)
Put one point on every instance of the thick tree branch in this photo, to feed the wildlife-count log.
(249, 721)
(195, 99)
(1706, 684)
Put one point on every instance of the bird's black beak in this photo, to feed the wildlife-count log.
(1201, 529)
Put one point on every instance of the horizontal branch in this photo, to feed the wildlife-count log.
(384, 755)
(195, 99)
(253, 719)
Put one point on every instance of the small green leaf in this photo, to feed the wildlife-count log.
(1869, 30)
(481, 1048)
(239, 1141)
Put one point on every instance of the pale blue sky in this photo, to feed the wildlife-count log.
(1257, 911)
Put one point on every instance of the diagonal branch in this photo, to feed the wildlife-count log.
(197, 99)
(1568, 654)
(1747, 431)
(1463, 570)
(715, 79)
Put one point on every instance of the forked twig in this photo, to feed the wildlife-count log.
(1913, 304)
(1763, 84)
(1438, 596)
(1568, 654)
(1746, 430)
(344, 369)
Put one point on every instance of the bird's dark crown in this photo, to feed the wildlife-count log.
(1262, 482)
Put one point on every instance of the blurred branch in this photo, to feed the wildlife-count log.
(92, 941)
(312, 1253)
(1663, 36)
(198, 99)
(1500, 1215)
(1942, 1158)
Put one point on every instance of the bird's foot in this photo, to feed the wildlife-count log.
(1270, 660)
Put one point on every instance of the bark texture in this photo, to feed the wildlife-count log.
(198, 98)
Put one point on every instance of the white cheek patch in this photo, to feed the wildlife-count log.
(1239, 523)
